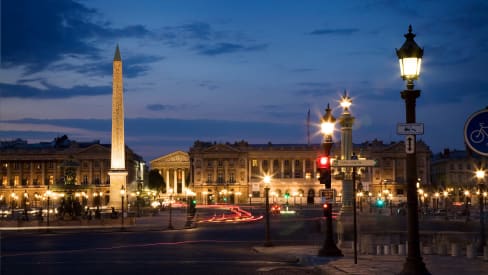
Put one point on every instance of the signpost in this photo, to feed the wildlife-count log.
(354, 162)
(410, 128)
(476, 132)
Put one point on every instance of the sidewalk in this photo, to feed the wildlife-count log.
(370, 264)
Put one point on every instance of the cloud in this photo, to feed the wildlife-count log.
(347, 31)
(36, 34)
(50, 91)
(160, 107)
(226, 48)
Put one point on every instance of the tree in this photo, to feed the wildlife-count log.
(156, 181)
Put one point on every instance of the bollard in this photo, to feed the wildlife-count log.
(454, 249)
(469, 251)
(427, 250)
(386, 249)
(393, 249)
(378, 250)
(441, 249)
(401, 250)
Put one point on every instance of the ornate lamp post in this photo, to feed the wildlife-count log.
(410, 58)
(329, 247)
(170, 225)
(48, 195)
(267, 180)
(480, 175)
(122, 195)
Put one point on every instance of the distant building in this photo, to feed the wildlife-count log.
(175, 170)
(66, 167)
(232, 173)
(454, 171)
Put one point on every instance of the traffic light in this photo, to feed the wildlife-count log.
(323, 162)
(325, 207)
(323, 166)
(287, 195)
(193, 206)
(380, 203)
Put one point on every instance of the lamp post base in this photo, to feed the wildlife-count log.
(330, 250)
(414, 266)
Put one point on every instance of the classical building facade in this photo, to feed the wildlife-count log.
(175, 170)
(454, 171)
(233, 172)
(65, 167)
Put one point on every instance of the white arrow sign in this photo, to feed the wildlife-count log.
(410, 128)
(410, 144)
(354, 162)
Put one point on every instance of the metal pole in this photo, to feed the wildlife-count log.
(354, 216)
(170, 225)
(267, 241)
(329, 247)
(414, 263)
(482, 241)
(122, 210)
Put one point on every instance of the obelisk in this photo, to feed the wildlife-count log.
(118, 172)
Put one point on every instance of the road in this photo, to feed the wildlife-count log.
(225, 248)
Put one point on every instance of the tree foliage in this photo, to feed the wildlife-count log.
(156, 181)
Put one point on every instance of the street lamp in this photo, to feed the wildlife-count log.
(170, 225)
(410, 58)
(480, 175)
(267, 180)
(122, 195)
(48, 195)
(329, 247)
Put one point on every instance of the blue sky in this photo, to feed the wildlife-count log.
(236, 70)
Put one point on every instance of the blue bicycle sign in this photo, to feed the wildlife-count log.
(476, 132)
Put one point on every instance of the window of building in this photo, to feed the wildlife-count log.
(254, 163)
(85, 179)
(16, 180)
(209, 163)
(50, 165)
(4, 180)
(265, 165)
(26, 165)
(16, 165)
(231, 163)
(38, 166)
(51, 179)
(209, 177)
(96, 164)
(96, 179)
(220, 163)
(232, 177)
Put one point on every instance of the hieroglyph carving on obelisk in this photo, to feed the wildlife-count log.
(118, 171)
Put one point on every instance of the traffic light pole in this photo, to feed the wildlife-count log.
(329, 248)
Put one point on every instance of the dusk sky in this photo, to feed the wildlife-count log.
(226, 70)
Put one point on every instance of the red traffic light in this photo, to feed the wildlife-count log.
(323, 162)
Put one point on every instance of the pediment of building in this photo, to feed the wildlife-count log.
(175, 157)
(221, 148)
(94, 149)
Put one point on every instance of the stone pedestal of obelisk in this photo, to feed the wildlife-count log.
(118, 172)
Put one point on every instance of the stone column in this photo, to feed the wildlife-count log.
(346, 121)
(167, 181)
(175, 181)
